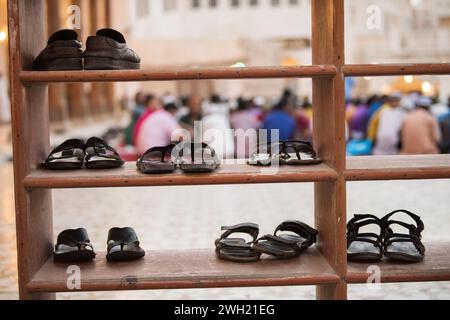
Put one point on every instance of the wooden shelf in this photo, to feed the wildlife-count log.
(375, 70)
(435, 267)
(29, 77)
(398, 167)
(129, 176)
(186, 269)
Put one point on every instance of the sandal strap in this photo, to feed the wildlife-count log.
(163, 150)
(122, 237)
(290, 243)
(249, 228)
(299, 146)
(74, 238)
(301, 229)
(193, 147)
(420, 226)
(98, 147)
(361, 220)
(67, 150)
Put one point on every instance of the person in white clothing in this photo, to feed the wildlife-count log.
(389, 127)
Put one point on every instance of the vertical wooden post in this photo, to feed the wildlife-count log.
(329, 138)
(30, 142)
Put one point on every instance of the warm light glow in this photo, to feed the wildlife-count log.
(367, 78)
(427, 87)
(408, 79)
(2, 36)
(238, 65)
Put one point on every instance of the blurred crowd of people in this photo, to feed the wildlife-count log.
(379, 125)
(222, 123)
(398, 124)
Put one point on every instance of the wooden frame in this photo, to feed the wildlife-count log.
(325, 266)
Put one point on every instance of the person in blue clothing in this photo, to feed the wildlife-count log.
(281, 119)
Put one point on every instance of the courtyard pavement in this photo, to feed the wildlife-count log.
(162, 216)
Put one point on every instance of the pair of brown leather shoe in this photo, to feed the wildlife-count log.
(107, 50)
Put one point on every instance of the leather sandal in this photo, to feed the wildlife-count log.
(367, 246)
(406, 247)
(73, 246)
(285, 245)
(123, 245)
(237, 249)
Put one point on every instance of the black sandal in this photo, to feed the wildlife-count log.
(73, 246)
(157, 160)
(192, 161)
(123, 245)
(99, 155)
(403, 247)
(286, 246)
(67, 156)
(237, 249)
(267, 154)
(366, 246)
(299, 153)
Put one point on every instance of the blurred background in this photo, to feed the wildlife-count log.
(385, 115)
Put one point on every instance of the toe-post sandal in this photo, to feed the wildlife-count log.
(367, 246)
(157, 160)
(238, 249)
(73, 246)
(67, 156)
(285, 245)
(299, 153)
(123, 245)
(267, 154)
(406, 247)
(197, 158)
(99, 155)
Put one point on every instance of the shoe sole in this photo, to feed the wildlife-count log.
(109, 64)
(61, 64)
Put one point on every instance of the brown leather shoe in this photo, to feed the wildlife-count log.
(63, 52)
(108, 50)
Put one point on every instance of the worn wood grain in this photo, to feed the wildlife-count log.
(186, 269)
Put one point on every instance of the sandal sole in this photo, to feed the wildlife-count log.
(75, 256)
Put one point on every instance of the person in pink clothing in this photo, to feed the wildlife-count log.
(420, 131)
(156, 127)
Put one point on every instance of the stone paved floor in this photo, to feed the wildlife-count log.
(194, 215)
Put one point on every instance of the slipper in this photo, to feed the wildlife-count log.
(67, 156)
(123, 245)
(238, 249)
(197, 158)
(99, 155)
(286, 245)
(267, 154)
(299, 153)
(73, 246)
(366, 246)
(406, 247)
(157, 160)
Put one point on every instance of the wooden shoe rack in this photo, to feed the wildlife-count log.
(324, 266)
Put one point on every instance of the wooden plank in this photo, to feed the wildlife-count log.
(375, 70)
(30, 77)
(186, 269)
(398, 167)
(30, 143)
(129, 176)
(435, 267)
(329, 138)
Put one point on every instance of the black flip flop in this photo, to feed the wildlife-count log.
(73, 246)
(157, 160)
(400, 246)
(267, 154)
(99, 155)
(297, 153)
(123, 245)
(366, 246)
(67, 156)
(286, 246)
(237, 249)
(197, 158)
